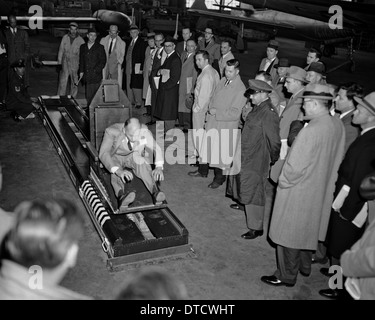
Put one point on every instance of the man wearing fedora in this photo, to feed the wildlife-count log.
(275, 98)
(18, 99)
(348, 221)
(316, 73)
(267, 64)
(279, 82)
(305, 189)
(68, 60)
(166, 108)
(260, 147)
(295, 84)
(92, 60)
(114, 48)
(134, 64)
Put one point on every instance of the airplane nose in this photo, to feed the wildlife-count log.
(113, 17)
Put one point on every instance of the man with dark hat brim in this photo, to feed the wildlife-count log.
(282, 69)
(268, 63)
(316, 73)
(305, 189)
(68, 61)
(260, 147)
(18, 99)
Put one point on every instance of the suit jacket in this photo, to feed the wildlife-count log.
(358, 263)
(167, 97)
(290, 114)
(138, 57)
(212, 48)
(180, 48)
(351, 130)
(92, 62)
(271, 70)
(120, 47)
(18, 45)
(115, 146)
(223, 62)
(187, 80)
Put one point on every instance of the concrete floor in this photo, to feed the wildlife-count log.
(226, 267)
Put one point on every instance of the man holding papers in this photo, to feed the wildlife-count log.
(167, 98)
(349, 213)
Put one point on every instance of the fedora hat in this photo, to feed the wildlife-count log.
(283, 63)
(318, 91)
(297, 73)
(367, 102)
(317, 67)
(273, 44)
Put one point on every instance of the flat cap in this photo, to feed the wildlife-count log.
(151, 35)
(18, 64)
(367, 102)
(273, 44)
(283, 63)
(317, 67)
(257, 86)
(318, 91)
(73, 24)
(297, 73)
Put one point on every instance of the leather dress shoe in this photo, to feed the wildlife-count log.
(274, 281)
(185, 130)
(319, 261)
(196, 165)
(214, 185)
(325, 272)
(126, 200)
(138, 107)
(159, 197)
(15, 116)
(236, 206)
(333, 294)
(197, 174)
(150, 123)
(252, 234)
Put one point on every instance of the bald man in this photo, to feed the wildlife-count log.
(115, 50)
(123, 153)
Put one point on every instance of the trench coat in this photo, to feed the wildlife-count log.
(290, 114)
(305, 192)
(260, 146)
(187, 81)
(167, 97)
(228, 102)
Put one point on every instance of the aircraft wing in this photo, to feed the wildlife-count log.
(248, 20)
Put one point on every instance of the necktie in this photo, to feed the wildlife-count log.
(130, 145)
(111, 47)
(227, 83)
(185, 58)
(184, 45)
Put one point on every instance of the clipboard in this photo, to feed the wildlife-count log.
(137, 69)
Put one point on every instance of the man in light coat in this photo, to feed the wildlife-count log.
(68, 58)
(305, 190)
(187, 83)
(222, 121)
(204, 90)
(295, 84)
(114, 48)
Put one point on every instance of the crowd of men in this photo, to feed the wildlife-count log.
(313, 141)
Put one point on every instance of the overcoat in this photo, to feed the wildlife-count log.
(260, 146)
(187, 80)
(92, 62)
(305, 192)
(228, 102)
(167, 97)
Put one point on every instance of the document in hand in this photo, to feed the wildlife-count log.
(189, 84)
(157, 81)
(339, 201)
(137, 68)
(361, 217)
